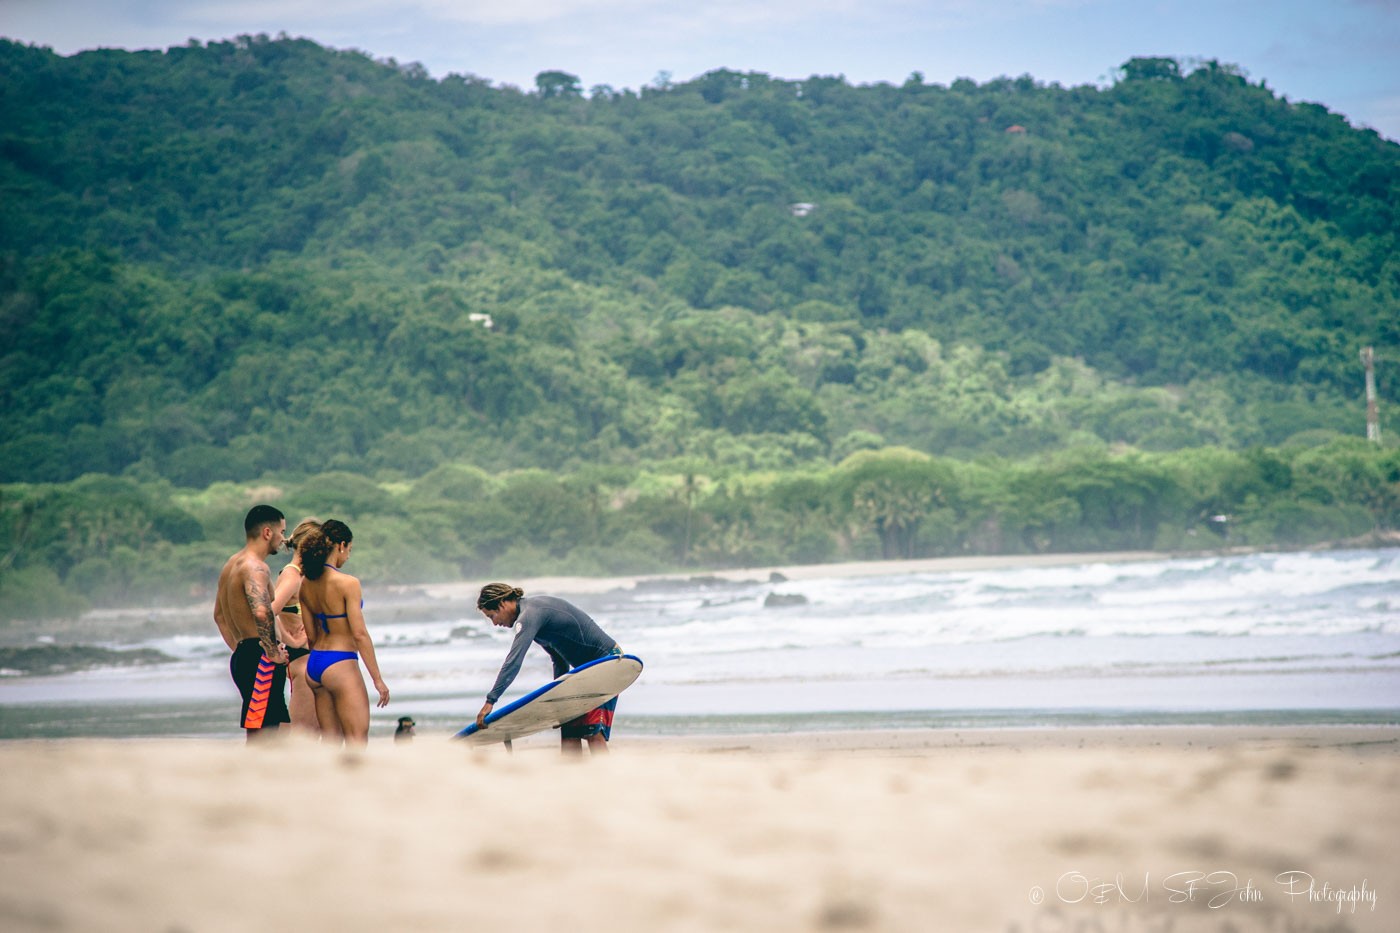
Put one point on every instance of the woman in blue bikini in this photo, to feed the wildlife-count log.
(332, 611)
(302, 705)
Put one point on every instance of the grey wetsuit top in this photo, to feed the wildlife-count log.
(559, 627)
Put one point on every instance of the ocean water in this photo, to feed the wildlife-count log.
(1285, 637)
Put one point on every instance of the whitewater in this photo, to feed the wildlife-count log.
(1272, 637)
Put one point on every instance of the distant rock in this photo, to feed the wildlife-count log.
(661, 584)
(778, 600)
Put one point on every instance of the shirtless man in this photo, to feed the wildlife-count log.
(243, 613)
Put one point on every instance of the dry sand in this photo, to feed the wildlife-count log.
(1114, 829)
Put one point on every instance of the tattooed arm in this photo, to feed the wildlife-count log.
(257, 589)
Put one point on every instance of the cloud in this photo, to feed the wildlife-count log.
(718, 12)
(708, 16)
(535, 13)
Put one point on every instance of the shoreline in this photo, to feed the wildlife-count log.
(911, 729)
(466, 591)
(1380, 739)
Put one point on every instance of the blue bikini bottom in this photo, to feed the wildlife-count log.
(318, 661)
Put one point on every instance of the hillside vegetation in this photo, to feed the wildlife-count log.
(260, 262)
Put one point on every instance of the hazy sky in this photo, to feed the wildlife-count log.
(1341, 53)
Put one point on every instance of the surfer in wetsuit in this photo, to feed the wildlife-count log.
(570, 637)
(243, 612)
(332, 612)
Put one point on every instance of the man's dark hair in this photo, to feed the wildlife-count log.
(260, 515)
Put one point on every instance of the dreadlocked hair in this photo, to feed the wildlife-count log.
(493, 594)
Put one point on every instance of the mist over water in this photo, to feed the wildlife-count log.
(1278, 637)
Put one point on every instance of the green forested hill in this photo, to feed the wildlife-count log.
(267, 259)
(209, 249)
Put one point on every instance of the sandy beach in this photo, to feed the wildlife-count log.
(1125, 828)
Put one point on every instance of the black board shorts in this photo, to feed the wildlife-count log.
(263, 685)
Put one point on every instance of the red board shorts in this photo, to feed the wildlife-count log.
(594, 722)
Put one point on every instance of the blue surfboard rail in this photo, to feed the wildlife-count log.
(531, 697)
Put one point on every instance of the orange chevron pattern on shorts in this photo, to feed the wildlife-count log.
(262, 689)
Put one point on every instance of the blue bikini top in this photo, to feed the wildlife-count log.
(323, 618)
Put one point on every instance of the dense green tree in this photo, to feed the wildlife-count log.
(558, 84)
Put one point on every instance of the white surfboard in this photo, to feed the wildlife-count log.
(584, 688)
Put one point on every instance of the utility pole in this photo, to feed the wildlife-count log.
(1373, 418)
